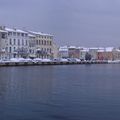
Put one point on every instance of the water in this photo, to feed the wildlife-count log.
(75, 92)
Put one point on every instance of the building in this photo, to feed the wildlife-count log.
(83, 53)
(3, 40)
(116, 54)
(44, 44)
(109, 53)
(63, 52)
(17, 43)
(74, 52)
(101, 54)
(93, 53)
(32, 46)
(55, 51)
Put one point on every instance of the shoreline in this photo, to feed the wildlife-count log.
(7, 64)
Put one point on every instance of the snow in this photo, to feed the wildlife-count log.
(109, 49)
(37, 59)
(40, 33)
(15, 30)
(63, 60)
(3, 31)
(72, 47)
(102, 50)
(46, 60)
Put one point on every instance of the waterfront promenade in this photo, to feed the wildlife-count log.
(2, 64)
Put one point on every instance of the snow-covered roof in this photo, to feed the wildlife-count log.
(85, 49)
(40, 33)
(94, 48)
(15, 30)
(101, 50)
(72, 47)
(118, 50)
(30, 35)
(63, 48)
(3, 31)
(109, 49)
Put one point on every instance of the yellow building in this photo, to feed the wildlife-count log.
(44, 44)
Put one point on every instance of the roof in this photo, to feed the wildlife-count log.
(3, 31)
(30, 35)
(101, 50)
(15, 30)
(109, 49)
(40, 33)
(72, 47)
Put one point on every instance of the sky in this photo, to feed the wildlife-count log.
(72, 22)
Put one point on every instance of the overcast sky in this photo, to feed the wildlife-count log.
(72, 22)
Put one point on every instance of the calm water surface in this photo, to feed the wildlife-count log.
(78, 92)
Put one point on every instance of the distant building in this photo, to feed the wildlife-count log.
(116, 54)
(83, 53)
(63, 52)
(93, 52)
(55, 51)
(74, 52)
(101, 54)
(109, 53)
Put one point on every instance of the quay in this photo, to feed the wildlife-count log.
(7, 64)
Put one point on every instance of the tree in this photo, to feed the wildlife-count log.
(88, 56)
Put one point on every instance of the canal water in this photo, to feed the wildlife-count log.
(73, 92)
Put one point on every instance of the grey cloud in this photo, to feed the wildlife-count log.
(77, 22)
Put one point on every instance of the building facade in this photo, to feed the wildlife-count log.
(3, 40)
(17, 43)
(44, 44)
(63, 52)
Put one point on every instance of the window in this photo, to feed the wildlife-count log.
(50, 42)
(50, 50)
(26, 35)
(10, 49)
(10, 41)
(22, 34)
(22, 42)
(45, 42)
(18, 34)
(14, 48)
(3, 35)
(42, 42)
(18, 42)
(14, 33)
(26, 43)
(9, 33)
(37, 42)
(14, 41)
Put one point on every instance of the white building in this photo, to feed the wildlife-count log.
(3, 40)
(17, 43)
(83, 53)
(63, 52)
